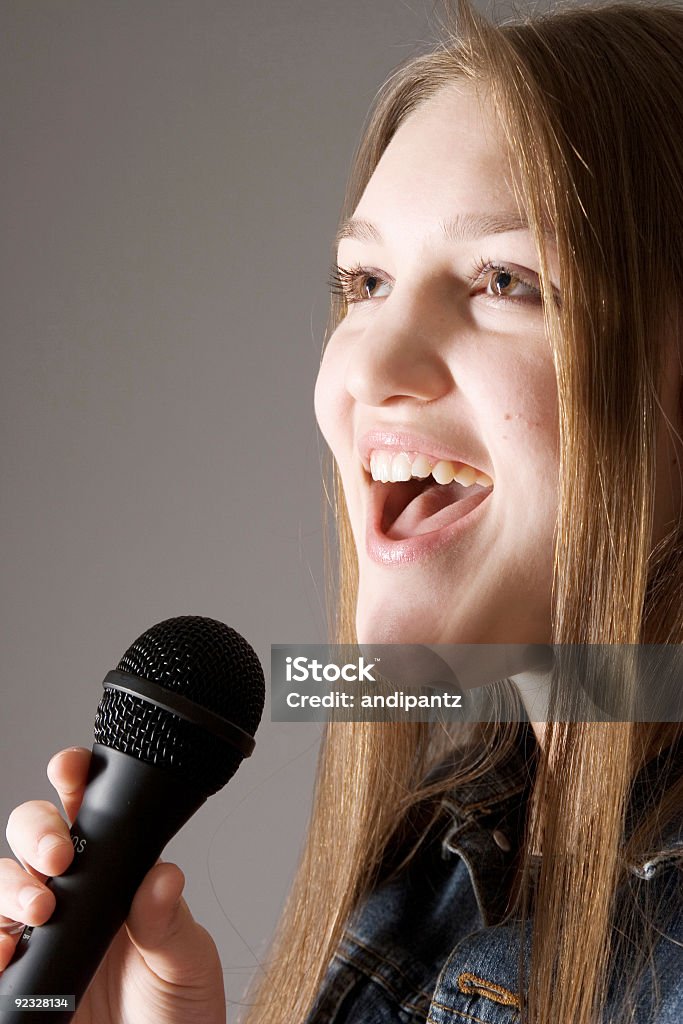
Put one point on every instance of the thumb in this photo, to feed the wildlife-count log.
(162, 929)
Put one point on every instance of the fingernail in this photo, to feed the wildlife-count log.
(49, 842)
(28, 894)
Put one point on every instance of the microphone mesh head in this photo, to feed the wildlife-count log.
(208, 663)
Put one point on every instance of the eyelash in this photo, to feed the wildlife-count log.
(344, 280)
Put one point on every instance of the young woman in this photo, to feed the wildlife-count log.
(506, 313)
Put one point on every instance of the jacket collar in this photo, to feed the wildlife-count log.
(509, 784)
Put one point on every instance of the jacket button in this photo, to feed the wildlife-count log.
(501, 841)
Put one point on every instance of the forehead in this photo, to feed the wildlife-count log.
(449, 156)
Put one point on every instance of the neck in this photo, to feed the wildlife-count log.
(533, 687)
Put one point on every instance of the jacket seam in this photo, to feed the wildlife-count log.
(380, 980)
(460, 1013)
(390, 963)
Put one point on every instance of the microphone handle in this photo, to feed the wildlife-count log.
(130, 811)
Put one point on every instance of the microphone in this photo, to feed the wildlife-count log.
(177, 716)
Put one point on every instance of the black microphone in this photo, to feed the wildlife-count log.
(177, 716)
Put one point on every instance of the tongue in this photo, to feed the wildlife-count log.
(437, 506)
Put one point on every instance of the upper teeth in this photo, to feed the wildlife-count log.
(388, 467)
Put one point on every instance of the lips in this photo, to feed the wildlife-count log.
(409, 519)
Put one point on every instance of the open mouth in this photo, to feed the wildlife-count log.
(415, 507)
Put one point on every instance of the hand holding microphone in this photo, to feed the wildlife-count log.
(177, 717)
(162, 968)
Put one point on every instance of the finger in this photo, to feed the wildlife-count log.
(8, 944)
(8, 926)
(10, 933)
(68, 772)
(23, 898)
(155, 903)
(39, 838)
(162, 928)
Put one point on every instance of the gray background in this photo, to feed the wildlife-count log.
(172, 175)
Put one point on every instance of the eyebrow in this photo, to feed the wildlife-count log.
(461, 228)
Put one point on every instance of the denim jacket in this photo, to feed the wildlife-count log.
(434, 941)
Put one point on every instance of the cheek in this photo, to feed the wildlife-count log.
(527, 411)
(320, 401)
(331, 400)
(324, 397)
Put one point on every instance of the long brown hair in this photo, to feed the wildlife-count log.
(589, 101)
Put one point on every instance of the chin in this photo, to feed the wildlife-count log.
(381, 621)
(386, 631)
(380, 624)
(384, 623)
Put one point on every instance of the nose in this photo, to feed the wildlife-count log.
(398, 355)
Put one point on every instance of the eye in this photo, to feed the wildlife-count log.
(504, 283)
(358, 284)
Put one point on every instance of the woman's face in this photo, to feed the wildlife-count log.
(442, 367)
(443, 359)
